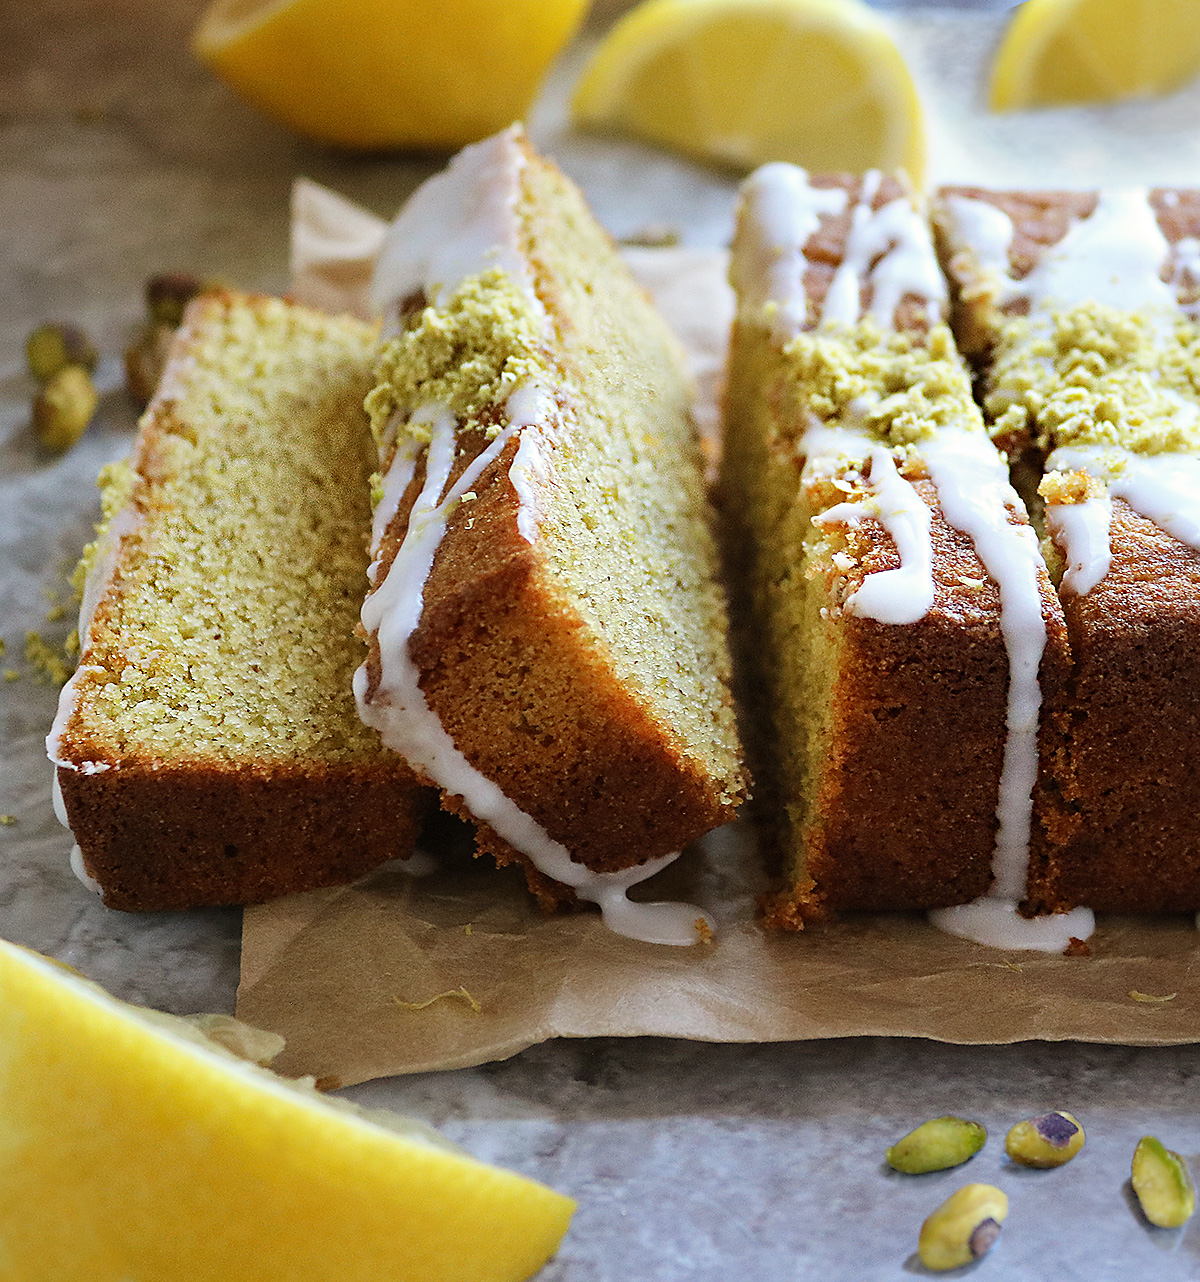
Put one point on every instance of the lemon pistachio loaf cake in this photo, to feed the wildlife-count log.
(547, 637)
(1083, 305)
(208, 749)
(912, 648)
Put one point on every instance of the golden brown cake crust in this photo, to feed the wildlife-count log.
(167, 838)
(1130, 841)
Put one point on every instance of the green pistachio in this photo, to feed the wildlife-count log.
(963, 1228)
(1050, 1140)
(1163, 1184)
(51, 348)
(64, 407)
(169, 294)
(936, 1145)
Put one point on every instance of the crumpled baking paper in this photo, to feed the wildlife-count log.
(402, 974)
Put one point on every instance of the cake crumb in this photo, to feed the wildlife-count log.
(467, 929)
(45, 659)
(1150, 997)
(1077, 947)
(460, 993)
(704, 932)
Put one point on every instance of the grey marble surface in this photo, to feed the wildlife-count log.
(120, 157)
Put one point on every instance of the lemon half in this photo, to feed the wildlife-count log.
(1057, 52)
(741, 82)
(387, 73)
(132, 1150)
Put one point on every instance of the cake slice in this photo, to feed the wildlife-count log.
(208, 749)
(1083, 306)
(911, 648)
(547, 637)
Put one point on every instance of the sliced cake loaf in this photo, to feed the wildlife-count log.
(1082, 304)
(547, 638)
(208, 750)
(911, 646)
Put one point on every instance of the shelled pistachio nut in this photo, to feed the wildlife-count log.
(167, 296)
(1050, 1140)
(64, 407)
(1163, 1184)
(936, 1145)
(963, 1228)
(51, 348)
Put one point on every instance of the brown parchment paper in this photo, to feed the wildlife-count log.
(346, 975)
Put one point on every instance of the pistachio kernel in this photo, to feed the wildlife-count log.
(64, 407)
(936, 1145)
(167, 296)
(1163, 1184)
(53, 347)
(1050, 1140)
(146, 360)
(963, 1228)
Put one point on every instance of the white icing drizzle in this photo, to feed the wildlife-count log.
(905, 594)
(84, 877)
(1113, 256)
(1080, 530)
(780, 210)
(458, 224)
(997, 924)
(404, 719)
(890, 250)
(976, 498)
(530, 408)
(1164, 488)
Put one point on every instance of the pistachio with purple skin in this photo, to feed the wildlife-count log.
(963, 1228)
(1042, 1142)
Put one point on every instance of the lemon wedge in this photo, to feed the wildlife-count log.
(134, 1149)
(1057, 52)
(387, 73)
(742, 82)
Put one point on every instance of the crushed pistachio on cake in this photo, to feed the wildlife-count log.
(1097, 375)
(893, 386)
(470, 355)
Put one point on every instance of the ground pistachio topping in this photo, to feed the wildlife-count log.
(897, 387)
(1098, 375)
(470, 354)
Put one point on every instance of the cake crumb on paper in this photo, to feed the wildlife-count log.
(460, 993)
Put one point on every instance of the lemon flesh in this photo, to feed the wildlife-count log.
(131, 1151)
(1057, 52)
(819, 83)
(368, 74)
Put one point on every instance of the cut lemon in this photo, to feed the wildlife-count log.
(132, 1149)
(742, 82)
(387, 73)
(1057, 52)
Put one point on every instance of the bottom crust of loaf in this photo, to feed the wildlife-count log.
(185, 837)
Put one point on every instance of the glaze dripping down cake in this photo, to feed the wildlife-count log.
(1081, 309)
(910, 648)
(547, 637)
(208, 749)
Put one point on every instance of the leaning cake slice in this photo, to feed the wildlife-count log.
(547, 637)
(208, 750)
(1084, 304)
(910, 643)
